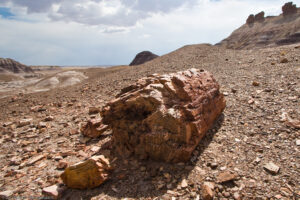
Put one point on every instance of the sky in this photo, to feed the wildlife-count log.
(112, 32)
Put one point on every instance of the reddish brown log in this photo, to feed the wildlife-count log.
(164, 117)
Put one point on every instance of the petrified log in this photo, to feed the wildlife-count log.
(164, 116)
(88, 174)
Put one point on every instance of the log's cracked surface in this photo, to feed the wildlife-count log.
(164, 117)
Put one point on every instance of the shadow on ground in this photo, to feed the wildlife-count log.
(134, 178)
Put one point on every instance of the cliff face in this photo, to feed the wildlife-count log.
(143, 57)
(10, 65)
(260, 31)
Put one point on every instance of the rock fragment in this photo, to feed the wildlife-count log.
(24, 122)
(226, 176)
(255, 83)
(88, 174)
(184, 183)
(164, 117)
(207, 191)
(93, 128)
(284, 60)
(35, 159)
(6, 194)
(62, 164)
(54, 191)
(271, 168)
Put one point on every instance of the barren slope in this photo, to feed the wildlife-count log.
(249, 135)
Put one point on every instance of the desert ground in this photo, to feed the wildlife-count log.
(40, 129)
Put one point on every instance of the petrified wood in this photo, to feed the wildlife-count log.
(164, 117)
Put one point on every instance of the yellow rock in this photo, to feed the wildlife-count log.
(88, 174)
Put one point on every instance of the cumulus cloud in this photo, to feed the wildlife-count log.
(99, 12)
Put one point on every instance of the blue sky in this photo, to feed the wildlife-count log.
(5, 12)
(112, 32)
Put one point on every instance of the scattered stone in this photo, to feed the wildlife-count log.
(271, 168)
(49, 118)
(93, 110)
(226, 194)
(298, 142)
(62, 165)
(6, 194)
(24, 122)
(42, 125)
(7, 124)
(236, 196)
(88, 174)
(284, 60)
(54, 191)
(95, 148)
(293, 122)
(214, 165)
(164, 117)
(226, 176)
(254, 83)
(184, 183)
(35, 159)
(207, 191)
(93, 128)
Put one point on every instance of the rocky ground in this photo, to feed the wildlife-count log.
(252, 152)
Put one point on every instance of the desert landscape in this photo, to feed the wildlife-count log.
(53, 117)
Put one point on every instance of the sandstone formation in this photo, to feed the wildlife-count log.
(250, 19)
(88, 174)
(10, 65)
(289, 9)
(259, 17)
(164, 117)
(143, 57)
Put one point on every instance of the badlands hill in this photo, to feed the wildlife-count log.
(143, 57)
(8, 65)
(260, 31)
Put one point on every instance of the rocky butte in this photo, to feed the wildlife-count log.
(143, 57)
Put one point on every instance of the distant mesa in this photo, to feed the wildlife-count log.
(143, 57)
(260, 31)
(8, 65)
(289, 9)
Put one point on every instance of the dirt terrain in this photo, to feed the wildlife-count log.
(260, 88)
